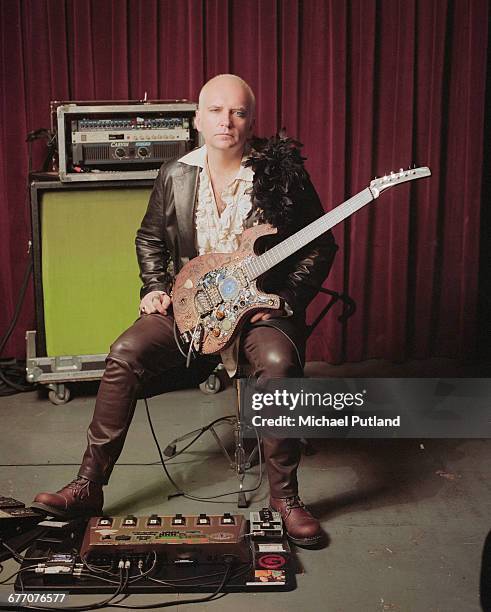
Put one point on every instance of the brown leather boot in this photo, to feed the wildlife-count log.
(301, 527)
(81, 497)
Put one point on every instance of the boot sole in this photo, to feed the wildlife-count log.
(64, 514)
(304, 542)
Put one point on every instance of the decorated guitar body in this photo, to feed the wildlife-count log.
(214, 294)
(214, 291)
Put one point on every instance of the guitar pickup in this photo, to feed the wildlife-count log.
(241, 277)
(203, 303)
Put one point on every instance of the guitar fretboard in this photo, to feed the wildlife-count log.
(262, 263)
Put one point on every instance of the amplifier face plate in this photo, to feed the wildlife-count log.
(132, 152)
(129, 135)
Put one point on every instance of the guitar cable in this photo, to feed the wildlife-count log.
(191, 344)
(179, 491)
(16, 382)
(181, 350)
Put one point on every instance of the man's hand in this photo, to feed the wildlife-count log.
(265, 315)
(155, 301)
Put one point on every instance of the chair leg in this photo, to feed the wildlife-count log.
(240, 458)
(252, 457)
(242, 501)
(222, 448)
(241, 461)
(240, 465)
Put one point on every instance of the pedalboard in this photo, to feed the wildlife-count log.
(159, 554)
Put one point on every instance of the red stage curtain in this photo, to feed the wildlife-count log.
(368, 86)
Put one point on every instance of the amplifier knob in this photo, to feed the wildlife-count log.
(120, 152)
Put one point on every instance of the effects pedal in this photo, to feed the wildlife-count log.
(179, 538)
(61, 567)
(271, 564)
(18, 525)
(11, 508)
(10, 502)
(15, 517)
(266, 525)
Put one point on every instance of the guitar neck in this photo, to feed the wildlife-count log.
(262, 263)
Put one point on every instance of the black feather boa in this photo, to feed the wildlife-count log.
(279, 175)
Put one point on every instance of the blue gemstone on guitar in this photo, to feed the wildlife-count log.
(229, 288)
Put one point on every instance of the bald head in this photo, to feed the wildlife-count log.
(225, 114)
(226, 80)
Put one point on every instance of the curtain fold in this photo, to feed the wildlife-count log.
(361, 101)
(368, 86)
(217, 33)
(14, 213)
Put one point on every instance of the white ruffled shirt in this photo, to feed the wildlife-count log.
(220, 233)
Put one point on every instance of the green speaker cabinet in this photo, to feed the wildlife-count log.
(85, 276)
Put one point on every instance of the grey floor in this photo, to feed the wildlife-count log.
(407, 519)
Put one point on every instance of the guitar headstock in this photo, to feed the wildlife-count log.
(395, 178)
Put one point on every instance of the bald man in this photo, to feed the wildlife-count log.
(200, 204)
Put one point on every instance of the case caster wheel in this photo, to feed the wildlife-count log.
(59, 397)
(212, 384)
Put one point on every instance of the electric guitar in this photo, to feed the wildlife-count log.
(214, 294)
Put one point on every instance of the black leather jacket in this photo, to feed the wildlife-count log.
(166, 239)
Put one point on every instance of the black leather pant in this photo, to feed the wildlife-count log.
(146, 352)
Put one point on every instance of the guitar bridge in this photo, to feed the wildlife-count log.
(241, 277)
(207, 298)
(203, 303)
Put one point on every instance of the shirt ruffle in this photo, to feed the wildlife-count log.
(220, 233)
